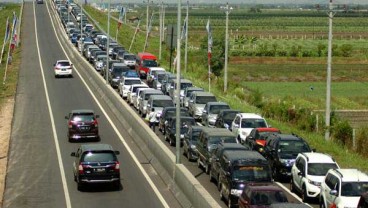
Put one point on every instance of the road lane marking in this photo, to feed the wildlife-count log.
(56, 140)
(136, 161)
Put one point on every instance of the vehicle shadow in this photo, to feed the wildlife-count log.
(102, 188)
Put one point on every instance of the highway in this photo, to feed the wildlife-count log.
(40, 166)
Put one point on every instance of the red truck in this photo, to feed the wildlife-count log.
(144, 61)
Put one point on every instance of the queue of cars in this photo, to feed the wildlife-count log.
(240, 152)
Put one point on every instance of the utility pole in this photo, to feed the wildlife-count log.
(226, 45)
(177, 98)
(108, 43)
(186, 39)
(329, 58)
(161, 15)
(80, 22)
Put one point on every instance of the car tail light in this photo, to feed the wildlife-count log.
(95, 123)
(70, 124)
(117, 166)
(80, 169)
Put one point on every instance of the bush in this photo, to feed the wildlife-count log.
(343, 133)
(255, 98)
(321, 49)
(346, 50)
(238, 92)
(362, 141)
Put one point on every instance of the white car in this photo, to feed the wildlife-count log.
(308, 172)
(132, 93)
(63, 68)
(125, 83)
(243, 124)
(342, 188)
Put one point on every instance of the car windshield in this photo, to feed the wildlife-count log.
(160, 77)
(195, 135)
(253, 123)
(320, 169)
(229, 116)
(129, 57)
(136, 88)
(119, 70)
(223, 139)
(99, 157)
(102, 59)
(63, 63)
(265, 197)
(293, 146)
(256, 173)
(185, 123)
(83, 118)
(146, 96)
(172, 113)
(205, 99)
(132, 81)
(162, 103)
(215, 109)
(353, 188)
(185, 85)
(149, 63)
(131, 73)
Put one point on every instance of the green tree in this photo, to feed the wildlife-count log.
(218, 53)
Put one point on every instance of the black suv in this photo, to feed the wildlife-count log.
(217, 154)
(190, 142)
(281, 151)
(170, 129)
(225, 118)
(238, 169)
(96, 163)
(82, 124)
(167, 114)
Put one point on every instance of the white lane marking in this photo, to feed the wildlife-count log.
(56, 140)
(158, 194)
(291, 193)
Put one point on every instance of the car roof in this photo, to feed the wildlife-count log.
(229, 146)
(289, 205)
(119, 64)
(62, 61)
(194, 88)
(249, 115)
(218, 132)
(79, 111)
(202, 93)
(182, 81)
(264, 187)
(160, 97)
(244, 155)
(317, 157)
(269, 129)
(287, 137)
(351, 175)
(93, 147)
(217, 103)
(157, 68)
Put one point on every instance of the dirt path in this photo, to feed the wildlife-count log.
(6, 117)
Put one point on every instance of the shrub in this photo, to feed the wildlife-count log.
(362, 141)
(343, 133)
(346, 50)
(321, 49)
(282, 53)
(255, 98)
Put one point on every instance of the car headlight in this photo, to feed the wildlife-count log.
(316, 183)
(192, 146)
(226, 126)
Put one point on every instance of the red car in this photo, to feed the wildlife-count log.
(254, 196)
(256, 140)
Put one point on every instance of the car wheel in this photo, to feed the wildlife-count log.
(292, 186)
(322, 203)
(199, 163)
(80, 186)
(229, 202)
(171, 142)
(212, 179)
(56, 76)
(207, 169)
(221, 194)
(218, 184)
(305, 197)
(275, 174)
(116, 185)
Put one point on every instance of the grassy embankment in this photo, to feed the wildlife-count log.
(8, 89)
(289, 71)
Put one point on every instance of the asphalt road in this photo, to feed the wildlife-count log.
(35, 178)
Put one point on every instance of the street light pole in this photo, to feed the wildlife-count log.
(329, 57)
(108, 43)
(177, 98)
(186, 39)
(160, 46)
(226, 46)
